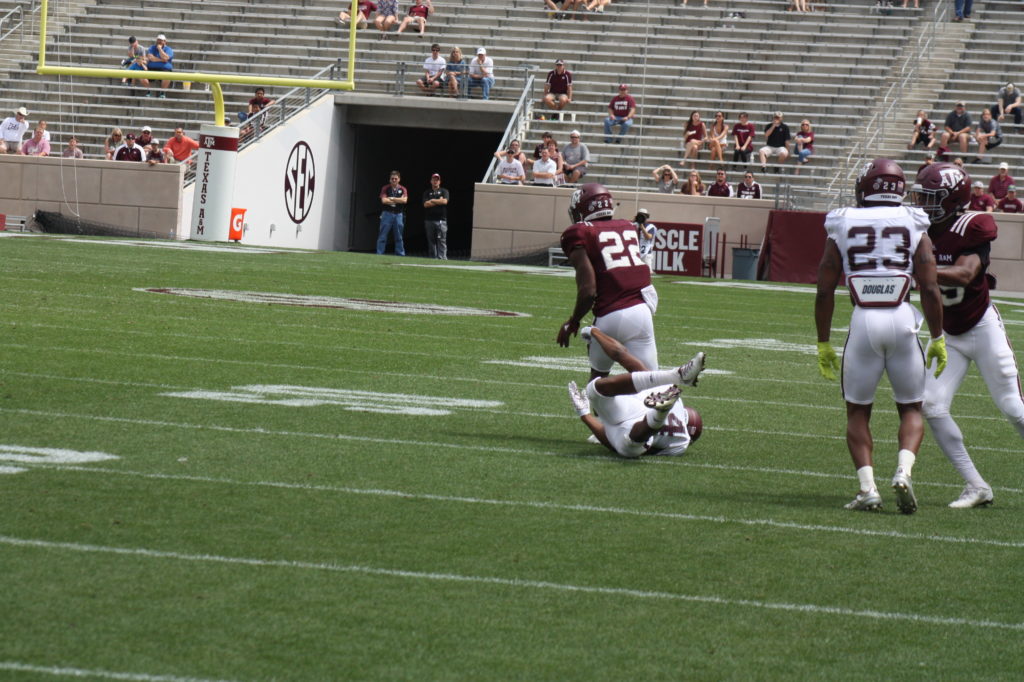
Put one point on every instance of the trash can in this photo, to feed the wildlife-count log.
(744, 263)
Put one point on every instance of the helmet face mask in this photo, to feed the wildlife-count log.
(592, 201)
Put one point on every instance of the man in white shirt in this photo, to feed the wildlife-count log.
(12, 131)
(510, 170)
(481, 73)
(544, 169)
(433, 71)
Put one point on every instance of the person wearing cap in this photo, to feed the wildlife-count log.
(481, 73)
(393, 199)
(145, 137)
(558, 87)
(159, 57)
(12, 131)
(957, 127)
(510, 168)
(136, 60)
(988, 135)
(646, 231)
(776, 141)
(621, 111)
(1000, 181)
(1008, 101)
(1010, 203)
(575, 158)
(417, 15)
(130, 151)
(154, 155)
(435, 218)
(434, 71)
(980, 199)
(37, 145)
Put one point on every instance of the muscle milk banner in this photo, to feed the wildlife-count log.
(678, 248)
(215, 183)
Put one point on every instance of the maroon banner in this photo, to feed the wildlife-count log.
(793, 244)
(221, 144)
(678, 248)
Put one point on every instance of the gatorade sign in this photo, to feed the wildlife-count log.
(237, 225)
(678, 248)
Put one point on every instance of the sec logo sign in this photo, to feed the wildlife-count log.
(299, 182)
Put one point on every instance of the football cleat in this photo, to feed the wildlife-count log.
(972, 497)
(905, 500)
(869, 501)
(663, 402)
(689, 372)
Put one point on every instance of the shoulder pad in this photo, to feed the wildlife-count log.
(834, 221)
(975, 228)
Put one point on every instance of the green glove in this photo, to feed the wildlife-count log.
(936, 351)
(828, 361)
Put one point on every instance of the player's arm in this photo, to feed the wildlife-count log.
(829, 270)
(927, 283)
(616, 351)
(597, 428)
(961, 273)
(586, 292)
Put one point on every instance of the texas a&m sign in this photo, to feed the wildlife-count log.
(215, 182)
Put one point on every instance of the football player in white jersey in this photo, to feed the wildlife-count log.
(646, 231)
(625, 420)
(879, 245)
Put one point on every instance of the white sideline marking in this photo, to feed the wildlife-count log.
(512, 582)
(82, 672)
(27, 455)
(677, 516)
(757, 344)
(181, 246)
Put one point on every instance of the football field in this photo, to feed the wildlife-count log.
(224, 463)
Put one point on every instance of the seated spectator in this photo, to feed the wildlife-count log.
(1010, 203)
(434, 71)
(258, 103)
(387, 16)
(135, 61)
(720, 187)
(743, 136)
(481, 73)
(365, 7)
(718, 137)
(46, 133)
(694, 186)
(666, 179)
(545, 139)
(36, 145)
(777, 142)
(544, 169)
(417, 15)
(154, 155)
(572, 8)
(575, 158)
(456, 71)
(145, 138)
(113, 143)
(1008, 102)
(180, 146)
(558, 87)
(159, 57)
(748, 189)
(980, 200)
(924, 131)
(516, 152)
(598, 5)
(621, 111)
(693, 137)
(72, 150)
(1000, 182)
(510, 169)
(794, 6)
(957, 128)
(804, 141)
(129, 151)
(559, 160)
(988, 135)
(12, 131)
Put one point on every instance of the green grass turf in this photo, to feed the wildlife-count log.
(260, 541)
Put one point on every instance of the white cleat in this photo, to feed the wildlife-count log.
(663, 402)
(905, 500)
(972, 497)
(689, 372)
(866, 501)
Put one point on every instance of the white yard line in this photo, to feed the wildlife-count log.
(517, 583)
(63, 671)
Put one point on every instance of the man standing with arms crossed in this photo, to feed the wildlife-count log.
(393, 198)
(435, 218)
(879, 245)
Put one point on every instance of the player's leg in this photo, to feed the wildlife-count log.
(862, 370)
(859, 442)
(904, 363)
(633, 327)
(998, 367)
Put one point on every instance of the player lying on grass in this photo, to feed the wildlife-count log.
(624, 419)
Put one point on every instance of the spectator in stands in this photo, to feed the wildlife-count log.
(804, 141)
(510, 168)
(924, 131)
(544, 169)
(545, 139)
(456, 71)
(129, 151)
(481, 73)
(928, 160)
(553, 12)
(575, 158)
(980, 199)
(365, 7)
(1010, 203)
(417, 15)
(558, 87)
(72, 150)
(1008, 102)
(748, 189)
(718, 137)
(258, 103)
(517, 152)
(693, 137)
(46, 133)
(963, 9)
(720, 187)
(777, 141)
(13, 130)
(154, 155)
(145, 138)
(958, 162)
(387, 16)
(559, 160)
(666, 179)
(621, 111)
(1000, 182)
(743, 136)
(393, 199)
(36, 145)
(572, 9)
(988, 134)
(135, 61)
(694, 186)
(598, 5)
(113, 143)
(958, 127)
(434, 71)
(180, 146)
(160, 57)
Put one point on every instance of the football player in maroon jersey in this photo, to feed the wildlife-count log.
(611, 278)
(974, 330)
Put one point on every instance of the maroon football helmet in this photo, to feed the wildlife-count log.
(591, 202)
(694, 423)
(942, 190)
(881, 183)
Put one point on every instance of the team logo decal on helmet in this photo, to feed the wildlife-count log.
(942, 190)
(881, 183)
(592, 201)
